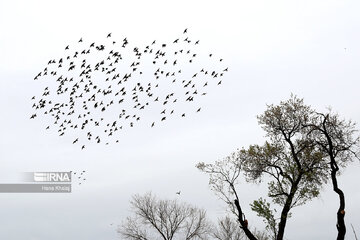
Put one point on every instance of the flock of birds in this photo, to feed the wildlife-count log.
(78, 176)
(99, 89)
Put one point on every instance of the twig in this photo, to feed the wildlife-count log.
(354, 231)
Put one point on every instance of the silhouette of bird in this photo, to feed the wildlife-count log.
(91, 85)
(178, 193)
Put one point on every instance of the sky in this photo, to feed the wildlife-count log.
(272, 49)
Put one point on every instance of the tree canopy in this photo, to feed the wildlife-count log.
(303, 149)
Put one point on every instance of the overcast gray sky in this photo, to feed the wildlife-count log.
(272, 48)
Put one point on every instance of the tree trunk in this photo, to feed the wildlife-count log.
(243, 222)
(340, 225)
(341, 211)
(283, 219)
(286, 209)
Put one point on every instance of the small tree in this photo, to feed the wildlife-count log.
(224, 175)
(164, 219)
(336, 139)
(290, 158)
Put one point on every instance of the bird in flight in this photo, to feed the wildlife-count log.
(100, 89)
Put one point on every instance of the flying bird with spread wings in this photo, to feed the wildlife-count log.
(99, 89)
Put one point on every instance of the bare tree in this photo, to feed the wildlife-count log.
(228, 229)
(164, 219)
(224, 175)
(290, 158)
(261, 235)
(337, 141)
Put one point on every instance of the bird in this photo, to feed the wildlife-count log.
(79, 103)
(178, 193)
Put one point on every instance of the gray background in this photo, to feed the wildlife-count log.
(272, 49)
